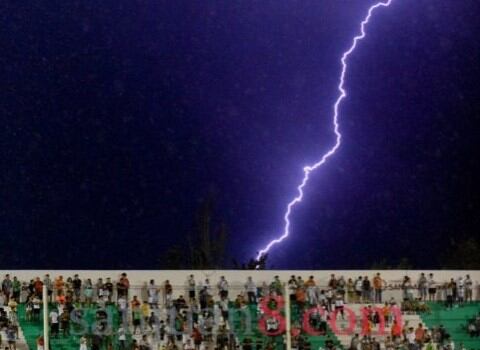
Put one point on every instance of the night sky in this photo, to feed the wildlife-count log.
(120, 117)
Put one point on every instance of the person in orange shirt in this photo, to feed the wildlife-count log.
(386, 314)
(61, 298)
(38, 286)
(300, 296)
(377, 287)
(396, 330)
(420, 335)
(59, 284)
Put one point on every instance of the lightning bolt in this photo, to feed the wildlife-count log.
(338, 141)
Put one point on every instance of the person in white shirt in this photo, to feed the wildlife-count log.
(122, 337)
(339, 305)
(54, 323)
(207, 287)
(358, 288)
(83, 343)
(122, 309)
(468, 289)
(223, 287)
(461, 290)
(292, 288)
(188, 345)
(251, 289)
(152, 291)
(191, 288)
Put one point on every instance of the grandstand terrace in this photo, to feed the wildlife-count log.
(225, 309)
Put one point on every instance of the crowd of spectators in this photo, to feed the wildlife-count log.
(197, 315)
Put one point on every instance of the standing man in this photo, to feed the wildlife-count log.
(377, 286)
(49, 284)
(422, 287)
(223, 288)
(191, 288)
(366, 290)
(16, 289)
(108, 290)
(152, 291)
(432, 288)
(468, 289)
(77, 286)
(7, 288)
(251, 290)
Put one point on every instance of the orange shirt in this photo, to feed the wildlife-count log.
(377, 282)
(38, 285)
(419, 333)
(59, 284)
(396, 330)
(386, 311)
(300, 294)
(310, 283)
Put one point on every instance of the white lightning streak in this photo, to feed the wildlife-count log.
(309, 168)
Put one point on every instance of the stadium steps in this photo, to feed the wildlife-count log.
(33, 329)
(21, 343)
(345, 339)
(454, 321)
(296, 315)
(316, 341)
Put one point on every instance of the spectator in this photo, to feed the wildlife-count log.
(251, 289)
(122, 286)
(341, 286)
(311, 291)
(276, 286)
(332, 283)
(223, 287)
(350, 291)
(377, 286)
(460, 290)
(355, 342)
(7, 288)
(88, 292)
(65, 322)
(422, 287)
(11, 338)
(59, 284)
(191, 288)
(292, 288)
(49, 284)
(449, 294)
(152, 291)
(16, 289)
(407, 289)
(168, 289)
(468, 289)
(358, 289)
(54, 323)
(77, 286)
(108, 290)
(83, 343)
(99, 286)
(432, 288)
(38, 287)
(366, 290)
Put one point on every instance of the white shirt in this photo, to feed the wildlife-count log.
(54, 317)
(122, 303)
(251, 287)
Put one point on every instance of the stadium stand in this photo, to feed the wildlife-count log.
(362, 311)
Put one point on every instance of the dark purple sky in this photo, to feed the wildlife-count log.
(120, 117)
